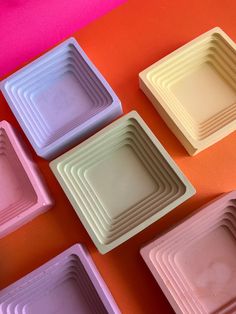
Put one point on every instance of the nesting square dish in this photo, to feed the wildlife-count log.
(69, 283)
(60, 98)
(23, 192)
(194, 263)
(120, 181)
(194, 90)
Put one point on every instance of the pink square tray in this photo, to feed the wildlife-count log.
(23, 193)
(195, 262)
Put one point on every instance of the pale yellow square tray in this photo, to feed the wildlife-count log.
(194, 90)
(120, 181)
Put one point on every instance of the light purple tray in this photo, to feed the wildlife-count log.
(23, 193)
(69, 283)
(60, 98)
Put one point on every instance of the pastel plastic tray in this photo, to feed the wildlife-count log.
(68, 283)
(194, 90)
(60, 98)
(120, 181)
(23, 194)
(195, 262)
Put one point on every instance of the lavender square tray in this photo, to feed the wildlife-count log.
(60, 98)
(69, 283)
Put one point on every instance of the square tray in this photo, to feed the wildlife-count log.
(69, 283)
(60, 98)
(194, 90)
(120, 181)
(194, 263)
(23, 193)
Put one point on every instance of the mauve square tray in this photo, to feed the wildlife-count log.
(195, 262)
(60, 98)
(194, 90)
(23, 192)
(68, 284)
(121, 180)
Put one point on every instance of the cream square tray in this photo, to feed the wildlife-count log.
(194, 90)
(120, 181)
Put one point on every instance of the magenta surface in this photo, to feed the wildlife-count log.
(50, 22)
(68, 283)
(194, 263)
(23, 193)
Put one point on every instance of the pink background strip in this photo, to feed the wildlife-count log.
(29, 27)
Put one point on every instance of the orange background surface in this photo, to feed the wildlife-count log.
(121, 44)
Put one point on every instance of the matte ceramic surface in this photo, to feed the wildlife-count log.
(60, 98)
(69, 283)
(23, 193)
(120, 181)
(194, 263)
(194, 90)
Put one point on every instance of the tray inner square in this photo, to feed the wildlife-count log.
(204, 92)
(209, 266)
(121, 180)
